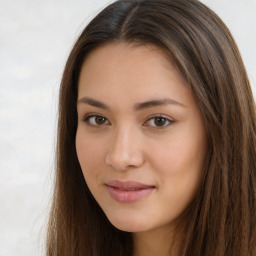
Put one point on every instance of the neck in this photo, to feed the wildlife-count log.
(160, 242)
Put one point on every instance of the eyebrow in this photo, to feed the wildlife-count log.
(92, 102)
(155, 103)
(138, 106)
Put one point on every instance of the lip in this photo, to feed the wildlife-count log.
(128, 191)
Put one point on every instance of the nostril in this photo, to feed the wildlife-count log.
(125, 152)
(122, 162)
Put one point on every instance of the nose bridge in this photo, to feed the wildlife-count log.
(123, 136)
(125, 150)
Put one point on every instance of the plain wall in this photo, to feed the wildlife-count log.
(35, 39)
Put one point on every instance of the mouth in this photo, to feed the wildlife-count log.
(128, 191)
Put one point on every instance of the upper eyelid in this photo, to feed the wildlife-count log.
(92, 114)
(149, 117)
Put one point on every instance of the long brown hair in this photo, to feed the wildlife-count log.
(222, 218)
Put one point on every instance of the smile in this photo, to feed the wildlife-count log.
(129, 191)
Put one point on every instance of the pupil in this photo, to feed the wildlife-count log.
(159, 121)
(100, 120)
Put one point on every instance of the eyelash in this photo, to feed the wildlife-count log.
(167, 121)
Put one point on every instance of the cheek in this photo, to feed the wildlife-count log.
(186, 149)
(181, 163)
(180, 170)
(90, 155)
(173, 157)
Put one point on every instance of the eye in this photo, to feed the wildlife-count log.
(96, 120)
(159, 121)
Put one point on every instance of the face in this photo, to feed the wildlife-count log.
(141, 140)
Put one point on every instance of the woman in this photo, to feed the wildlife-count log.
(156, 139)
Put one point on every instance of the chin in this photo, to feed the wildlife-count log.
(129, 227)
(128, 223)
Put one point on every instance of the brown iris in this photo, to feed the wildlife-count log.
(160, 121)
(100, 120)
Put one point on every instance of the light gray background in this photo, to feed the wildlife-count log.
(35, 39)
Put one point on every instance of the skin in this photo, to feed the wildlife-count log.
(128, 143)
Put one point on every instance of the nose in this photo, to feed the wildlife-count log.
(125, 151)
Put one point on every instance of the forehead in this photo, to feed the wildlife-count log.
(128, 71)
(128, 61)
(113, 58)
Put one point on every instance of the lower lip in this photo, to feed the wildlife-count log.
(128, 196)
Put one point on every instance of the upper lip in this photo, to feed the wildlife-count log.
(125, 185)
